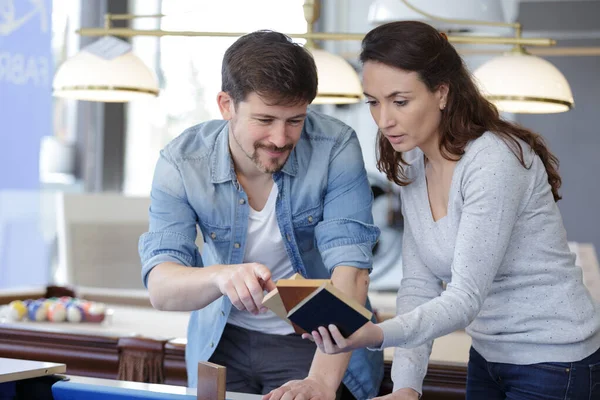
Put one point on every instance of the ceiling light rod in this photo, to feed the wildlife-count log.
(311, 10)
(127, 32)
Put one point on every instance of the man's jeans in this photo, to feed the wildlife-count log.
(578, 380)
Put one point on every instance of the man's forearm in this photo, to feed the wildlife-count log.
(330, 369)
(174, 287)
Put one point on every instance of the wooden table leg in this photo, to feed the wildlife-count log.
(141, 360)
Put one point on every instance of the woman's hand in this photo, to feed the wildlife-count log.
(330, 340)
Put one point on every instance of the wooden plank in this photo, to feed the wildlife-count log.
(211, 381)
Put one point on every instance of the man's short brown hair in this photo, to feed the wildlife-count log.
(271, 65)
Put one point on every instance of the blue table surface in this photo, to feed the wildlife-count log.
(76, 387)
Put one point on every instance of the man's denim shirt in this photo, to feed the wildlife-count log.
(323, 210)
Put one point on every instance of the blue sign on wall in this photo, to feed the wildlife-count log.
(25, 117)
(25, 89)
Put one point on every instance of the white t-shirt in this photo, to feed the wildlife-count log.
(264, 245)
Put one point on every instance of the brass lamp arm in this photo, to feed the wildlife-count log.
(128, 32)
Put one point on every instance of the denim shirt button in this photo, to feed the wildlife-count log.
(213, 235)
(242, 201)
(310, 218)
(236, 245)
(289, 238)
(223, 313)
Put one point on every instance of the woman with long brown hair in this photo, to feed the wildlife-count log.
(479, 200)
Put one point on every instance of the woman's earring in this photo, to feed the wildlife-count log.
(443, 106)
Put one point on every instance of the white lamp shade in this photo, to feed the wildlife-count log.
(522, 83)
(338, 81)
(384, 11)
(89, 77)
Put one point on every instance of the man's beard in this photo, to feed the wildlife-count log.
(274, 168)
(254, 157)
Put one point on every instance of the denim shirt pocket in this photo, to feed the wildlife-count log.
(217, 237)
(304, 227)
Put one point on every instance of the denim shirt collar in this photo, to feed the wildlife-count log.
(222, 164)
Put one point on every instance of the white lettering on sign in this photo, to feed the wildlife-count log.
(9, 22)
(23, 69)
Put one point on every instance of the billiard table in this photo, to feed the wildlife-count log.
(141, 344)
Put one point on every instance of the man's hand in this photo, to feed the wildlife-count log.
(330, 340)
(400, 394)
(310, 388)
(244, 284)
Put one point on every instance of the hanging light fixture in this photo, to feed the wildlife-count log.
(338, 81)
(515, 82)
(105, 71)
(89, 77)
(518, 82)
(93, 76)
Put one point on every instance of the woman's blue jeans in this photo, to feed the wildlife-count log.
(578, 380)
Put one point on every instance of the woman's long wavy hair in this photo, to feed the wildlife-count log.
(416, 46)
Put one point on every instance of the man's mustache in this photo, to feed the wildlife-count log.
(273, 148)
